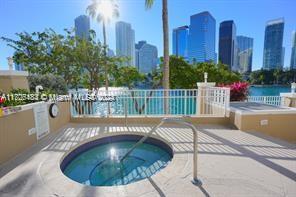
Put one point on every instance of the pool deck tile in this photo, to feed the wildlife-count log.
(230, 163)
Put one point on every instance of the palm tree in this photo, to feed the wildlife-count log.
(276, 75)
(166, 58)
(103, 11)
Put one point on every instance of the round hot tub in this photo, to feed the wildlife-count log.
(98, 162)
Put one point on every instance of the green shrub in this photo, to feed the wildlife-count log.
(13, 98)
(50, 83)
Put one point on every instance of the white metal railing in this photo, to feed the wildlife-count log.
(213, 100)
(182, 102)
(270, 100)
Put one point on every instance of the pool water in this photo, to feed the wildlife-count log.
(268, 90)
(101, 166)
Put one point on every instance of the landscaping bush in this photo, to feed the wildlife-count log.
(239, 91)
(14, 98)
(50, 83)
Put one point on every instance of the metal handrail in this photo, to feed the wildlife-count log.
(178, 121)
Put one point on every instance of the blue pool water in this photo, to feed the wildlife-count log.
(101, 166)
(268, 90)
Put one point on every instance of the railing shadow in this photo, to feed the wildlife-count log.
(258, 155)
(210, 141)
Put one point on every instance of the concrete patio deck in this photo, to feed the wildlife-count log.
(230, 163)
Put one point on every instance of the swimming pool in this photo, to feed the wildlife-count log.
(97, 163)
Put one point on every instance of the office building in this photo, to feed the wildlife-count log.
(201, 38)
(180, 41)
(227, 44)
(293, 52)
(244, 54)
(82, 26)
(125, 42)
(273, 54)
(146, 57)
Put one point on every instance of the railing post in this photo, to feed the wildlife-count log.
(145, 101)
(125, 112)
(227, 100)
(185, 105)
(195, 152)
(203, 96)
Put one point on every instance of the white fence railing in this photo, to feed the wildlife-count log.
(213, 101)
(181, 102)
(270, 100)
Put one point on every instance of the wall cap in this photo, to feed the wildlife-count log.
(289, 95)
(13, 73)
(203, 84)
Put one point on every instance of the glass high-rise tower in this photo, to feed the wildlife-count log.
(201, 39)
(180, 41)
(125, 42)
(227, 44)
(146, 57)
(244, 54)
(293, 54)
(273, 53)
(82, 26)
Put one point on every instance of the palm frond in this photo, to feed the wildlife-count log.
(115, 13)
(99, 18)
(149, 3)
(92, 9)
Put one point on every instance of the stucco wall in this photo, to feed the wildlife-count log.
(14, 137)
(289, 102)
(9, 82)
(282, 126)
(63, 118)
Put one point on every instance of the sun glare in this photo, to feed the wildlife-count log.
(106, 9)
(112, 153)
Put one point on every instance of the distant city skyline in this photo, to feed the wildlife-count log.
(32, 15)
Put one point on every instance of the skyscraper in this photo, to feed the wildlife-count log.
(146, 57)
(293, 54)
(180, 41)
(82, 26)
(244, 54)
(125, 42)
(201, 39)
(273, 45)
(227, 44)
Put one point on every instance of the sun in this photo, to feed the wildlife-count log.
(105, 8)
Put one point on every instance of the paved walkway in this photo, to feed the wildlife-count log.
(231, 163)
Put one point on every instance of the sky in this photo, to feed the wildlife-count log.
(250, 17)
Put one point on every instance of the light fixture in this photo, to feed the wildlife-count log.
(206, 77)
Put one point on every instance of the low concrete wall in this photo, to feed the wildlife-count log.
(14, 137)
(289, 101)
(63, 118)
(13, 79)
(282, 126)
